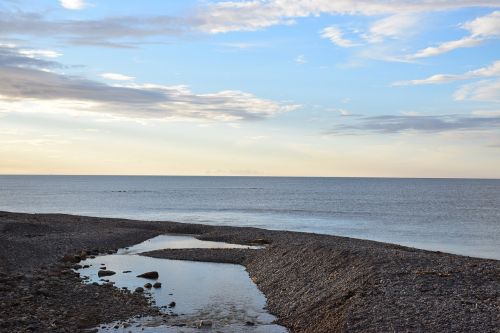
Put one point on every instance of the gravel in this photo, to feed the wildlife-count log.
(313, 283)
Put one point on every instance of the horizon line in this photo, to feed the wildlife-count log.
(241, 176)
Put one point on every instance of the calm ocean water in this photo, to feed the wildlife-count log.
(453, 215)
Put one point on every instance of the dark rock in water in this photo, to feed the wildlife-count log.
(250, 323)
(77, 267)
(148, 286)
(95, 283)
(139, 290)
(149, 275)
(171, 305)
(105, 273)
(127, 271)
(157, 285)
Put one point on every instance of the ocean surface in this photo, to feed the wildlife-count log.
(452, 215)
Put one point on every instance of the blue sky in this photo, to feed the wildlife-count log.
(302, 88)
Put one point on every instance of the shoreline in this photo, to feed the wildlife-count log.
(313, 282)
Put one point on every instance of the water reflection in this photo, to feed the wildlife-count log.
(222, 294)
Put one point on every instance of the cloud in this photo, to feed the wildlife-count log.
(222, 17)
(391, 124)
(335, 35)
(10, 55)
(480, 29)
(489, 71)
(485, 91)
(116, 31)
(23, 82)
(250, 15)
(117, 77)
(40, 53)
(394, 26)
(73, 4)
(301, 59)
(485, 26)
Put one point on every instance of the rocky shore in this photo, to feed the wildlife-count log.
(314, 283)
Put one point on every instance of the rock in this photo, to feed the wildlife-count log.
(67, 258)
(148, 286)
(204, 324)
(250, 323)
(171, 305)
(105, 273)
(43, 292)
(261, 241)
(127, 272)
(139, 290)
(77, 267)
(157, 285)
(149, 275)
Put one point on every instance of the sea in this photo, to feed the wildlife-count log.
(460, 216)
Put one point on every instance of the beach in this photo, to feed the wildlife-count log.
(312, 282)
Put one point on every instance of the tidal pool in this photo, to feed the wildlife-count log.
(220, 293)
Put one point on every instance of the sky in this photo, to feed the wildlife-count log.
(367, 88)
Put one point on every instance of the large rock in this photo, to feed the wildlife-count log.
(103, 272)
(149, 275)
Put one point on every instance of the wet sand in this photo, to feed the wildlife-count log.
(314, 283)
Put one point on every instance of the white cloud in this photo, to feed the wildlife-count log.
(30, 89)
(485, 91)
(25, 86)
(301, 59)
(252, 15)
(446, 47)
(117, 77)
(73, 4)
(394, 26)
(495, 113)
(489, 71)
(40, 53)
(480, 29)
(485, 26)
(335, 35)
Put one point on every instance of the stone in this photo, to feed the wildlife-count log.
(250, 323)
(148, 286)
(260, 241)
(172, 305)
(157, 285)
(149, 275)
(103, 272)
(139, 290)
(204, 324)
